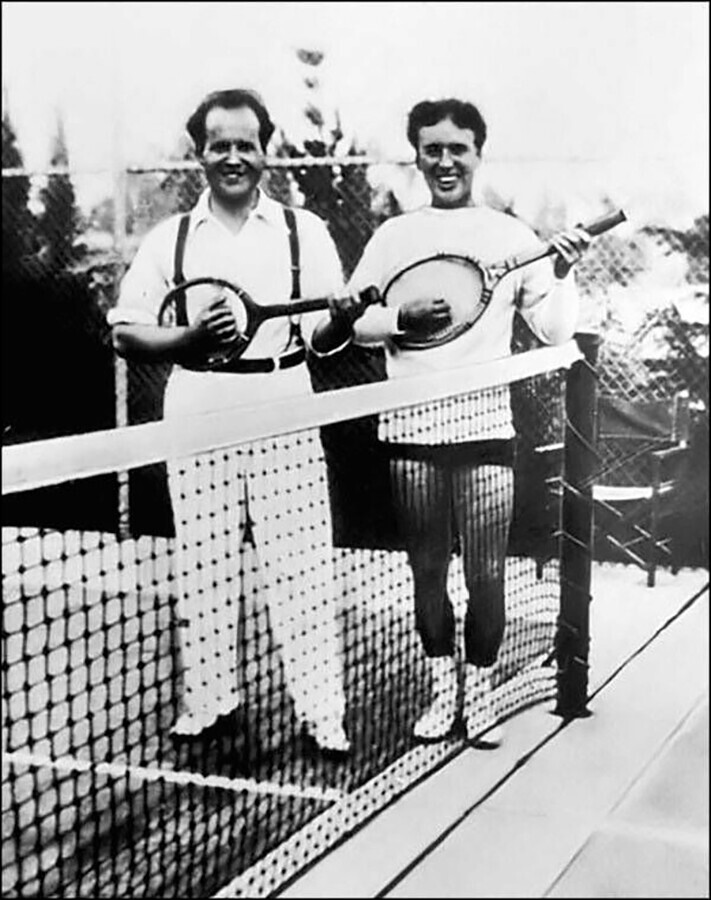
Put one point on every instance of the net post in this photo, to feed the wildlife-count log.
(120, 190)
(572, 640)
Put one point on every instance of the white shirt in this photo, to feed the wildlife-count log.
(549, 306)
(258, 259)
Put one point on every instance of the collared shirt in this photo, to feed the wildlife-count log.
(257, 259)
(549, 306)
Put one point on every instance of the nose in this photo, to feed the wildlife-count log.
(445, 160)
(233, 155)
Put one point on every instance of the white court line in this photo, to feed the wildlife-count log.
(266, 877)
(120, 770)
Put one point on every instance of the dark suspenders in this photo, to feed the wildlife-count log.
(294, 248)
(295, 337)
(179, 275)
(181, 314)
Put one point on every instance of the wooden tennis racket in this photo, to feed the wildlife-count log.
(195, 294)
(465, 284)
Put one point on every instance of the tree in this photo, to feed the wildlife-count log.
(60, 219)
(341, 195)
(692, 244)
(183, 186)
(18, 223)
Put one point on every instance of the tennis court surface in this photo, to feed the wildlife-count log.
(615, 805)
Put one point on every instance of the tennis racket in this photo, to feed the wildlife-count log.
(465, 284)
(195, 294)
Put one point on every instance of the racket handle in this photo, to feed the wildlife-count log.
(605, 223)
(594, 228)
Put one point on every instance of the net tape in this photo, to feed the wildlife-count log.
(26, 467)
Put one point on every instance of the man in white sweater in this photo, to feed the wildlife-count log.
(451, 465)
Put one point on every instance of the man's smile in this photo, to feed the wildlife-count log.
(446, 180)
(234, 175)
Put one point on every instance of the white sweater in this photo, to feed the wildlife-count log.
(549, 306)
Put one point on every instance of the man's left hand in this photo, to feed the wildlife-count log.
(570, 246)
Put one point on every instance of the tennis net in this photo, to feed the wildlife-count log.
(169, 699)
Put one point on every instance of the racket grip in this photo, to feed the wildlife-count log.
(371, 296)
(605, 223)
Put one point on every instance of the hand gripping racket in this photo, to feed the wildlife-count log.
(249, 315)
(465, 284)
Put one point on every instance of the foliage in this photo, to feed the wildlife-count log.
(341, 195)
(60, 220)
(692, 243)
(18, 223)
(56, 358)
(610, 260)
(182, 188)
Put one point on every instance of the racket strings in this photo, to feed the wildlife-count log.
(457, 280)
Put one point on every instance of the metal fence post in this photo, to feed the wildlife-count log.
(580, 460)
(120, 187)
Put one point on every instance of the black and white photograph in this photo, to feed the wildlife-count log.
(355, 462)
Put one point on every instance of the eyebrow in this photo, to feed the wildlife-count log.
(225, 142)
(458, 145)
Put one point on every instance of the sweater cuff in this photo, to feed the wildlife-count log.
(380, 322)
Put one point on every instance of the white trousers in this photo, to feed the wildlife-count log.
(253, 532)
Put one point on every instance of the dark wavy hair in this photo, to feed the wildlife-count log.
(430, 112)
(231, 99)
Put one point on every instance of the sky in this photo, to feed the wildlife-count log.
(620, 83)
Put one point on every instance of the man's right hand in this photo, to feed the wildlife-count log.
(214, 327)
(337, 330)
(347, 310)
(424, 316)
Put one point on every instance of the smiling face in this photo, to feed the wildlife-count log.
(232, 157)
(448, 158)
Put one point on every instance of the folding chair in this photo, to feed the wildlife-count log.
(643, 448)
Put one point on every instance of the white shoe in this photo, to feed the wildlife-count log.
(437, 720)
(330, 735)
(480, 713)
(192, 724)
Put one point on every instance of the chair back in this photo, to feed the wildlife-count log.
(627, 431)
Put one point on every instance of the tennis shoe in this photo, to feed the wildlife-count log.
(190, 724)
(330, 736)
(439, 717)
(480, 712)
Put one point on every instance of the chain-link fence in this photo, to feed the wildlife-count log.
(645, 288)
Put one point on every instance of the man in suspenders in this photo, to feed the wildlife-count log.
(237, 233)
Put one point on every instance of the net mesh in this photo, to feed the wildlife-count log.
(165, 699)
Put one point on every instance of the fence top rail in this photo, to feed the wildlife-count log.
(187, 165)
(282, 162)
(55, 460)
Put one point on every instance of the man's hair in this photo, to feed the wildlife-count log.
(231, 99)
(430, 112)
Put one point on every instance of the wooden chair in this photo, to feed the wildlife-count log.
(643, 448)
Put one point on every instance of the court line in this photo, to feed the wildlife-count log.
(670, 621)
(121, 770)
(273, 873)
(400, 877)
